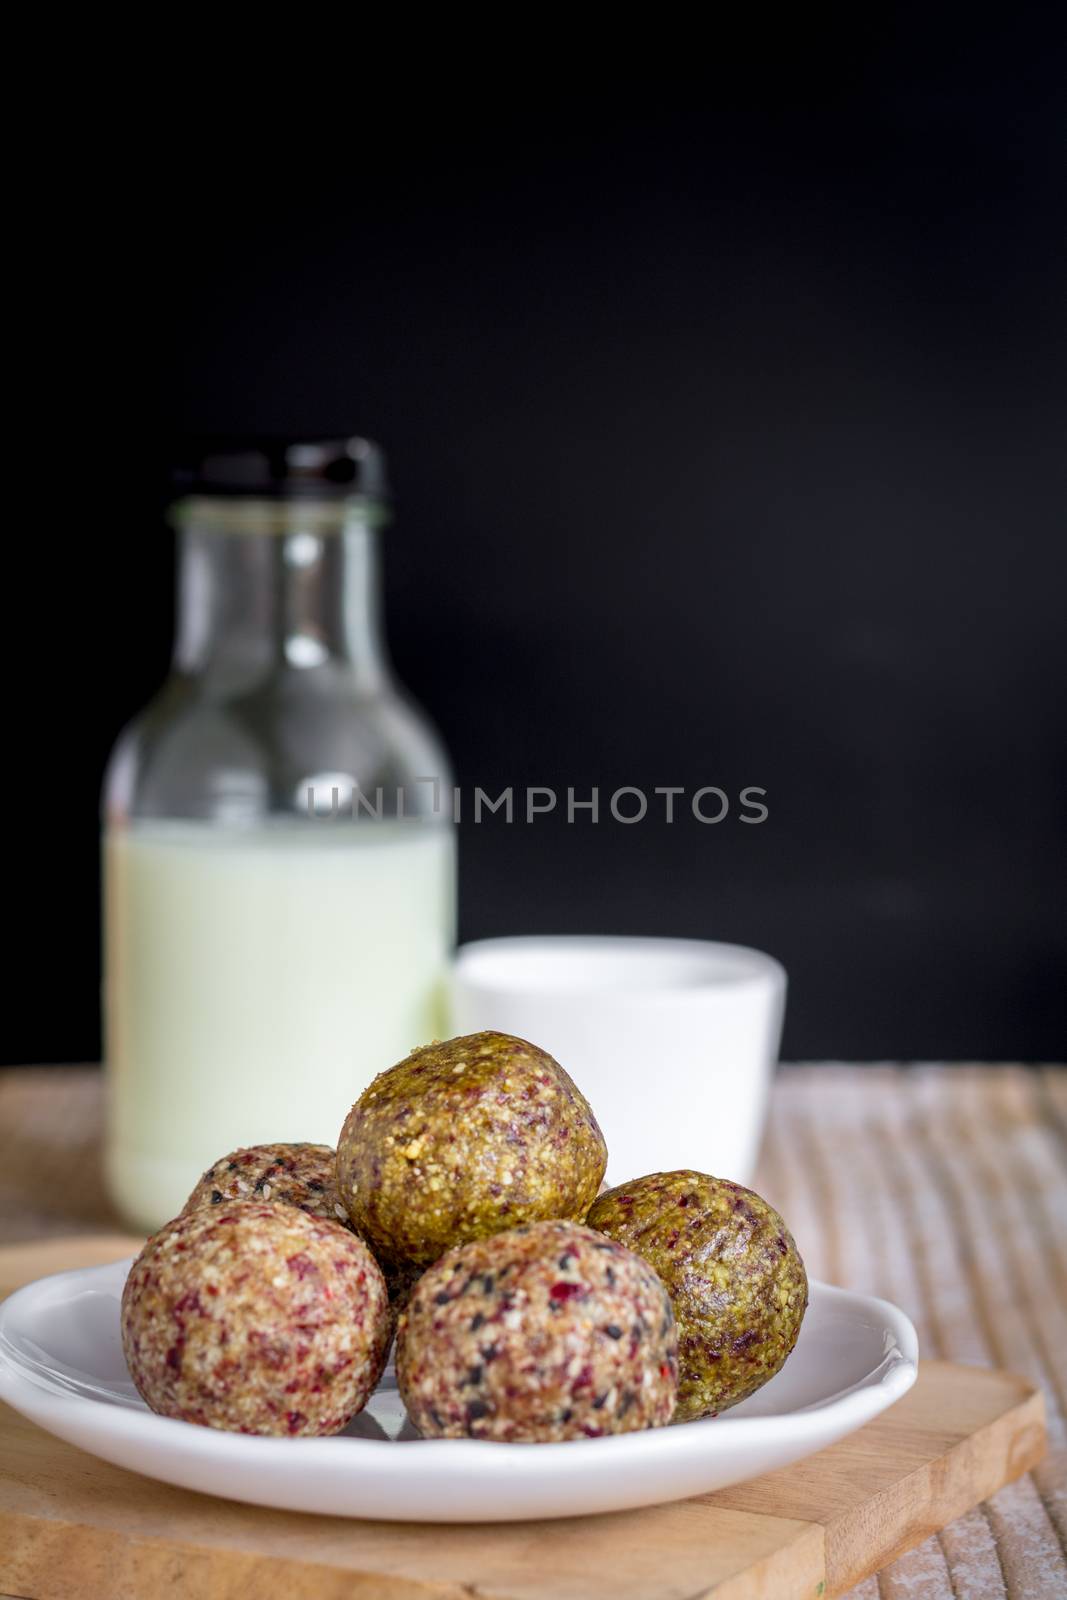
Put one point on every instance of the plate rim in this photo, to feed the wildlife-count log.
(850, 1408)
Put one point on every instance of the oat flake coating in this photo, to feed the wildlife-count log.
(255, 1318)
(734, 1275)
(296, 1174)
(464, 1139)
(543, 1333)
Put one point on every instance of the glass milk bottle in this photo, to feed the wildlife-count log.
(279, 881)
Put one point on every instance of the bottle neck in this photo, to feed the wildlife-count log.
(266, 588)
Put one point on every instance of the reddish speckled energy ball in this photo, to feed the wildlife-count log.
(256, 1318)
(299, 1175)
(542, 1333)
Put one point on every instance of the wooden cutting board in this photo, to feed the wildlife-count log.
(74, 1528)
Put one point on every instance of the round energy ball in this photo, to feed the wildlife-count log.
(542, 1333)
(734, 1275)
(256, 1318)
(464, 1139)
(300, 1175)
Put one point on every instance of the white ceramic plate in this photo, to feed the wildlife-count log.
(61, 1365)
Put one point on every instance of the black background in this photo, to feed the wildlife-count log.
(725, 420)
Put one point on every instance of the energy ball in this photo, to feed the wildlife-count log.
(464, 1139)
(300, 1175)
(256, 1318)
(734, 1275)
(542, 1333)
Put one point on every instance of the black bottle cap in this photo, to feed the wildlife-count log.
(263, 468)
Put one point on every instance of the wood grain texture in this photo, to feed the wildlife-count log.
(72, 1526)
(900, 1181)
(75, 1529)
(929, 1460)
(943, 1187)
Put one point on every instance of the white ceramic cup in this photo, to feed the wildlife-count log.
(672, 1041)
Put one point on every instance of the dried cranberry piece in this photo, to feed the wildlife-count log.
(566, 1291)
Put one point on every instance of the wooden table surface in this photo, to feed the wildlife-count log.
(942, 1187)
